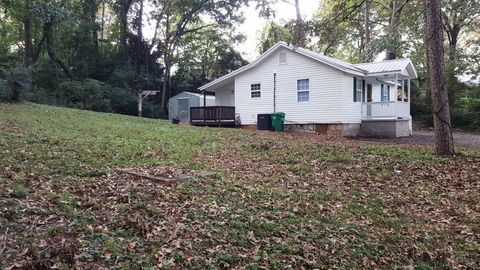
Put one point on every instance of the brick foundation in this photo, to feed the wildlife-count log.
(339, 130)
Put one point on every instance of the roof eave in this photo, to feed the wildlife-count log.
(244, 68)
(352, 71)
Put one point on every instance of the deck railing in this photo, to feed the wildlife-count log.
(385, 109)
(213, 115)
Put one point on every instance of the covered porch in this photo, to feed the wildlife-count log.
(387, 98)
(386, 95)
(220, 115)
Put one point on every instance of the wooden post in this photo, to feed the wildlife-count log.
(140, 101)
(204, 98)
(142, 94)
(204, 105)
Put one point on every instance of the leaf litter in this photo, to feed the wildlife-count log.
(280, 201)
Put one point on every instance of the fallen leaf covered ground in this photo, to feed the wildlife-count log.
(278, 200)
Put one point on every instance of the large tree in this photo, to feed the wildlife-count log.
(176, 19)
(458, 16)
(441, 111)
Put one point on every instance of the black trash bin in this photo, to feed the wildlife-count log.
(264, 122)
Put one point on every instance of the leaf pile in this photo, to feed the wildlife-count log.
(281, 201)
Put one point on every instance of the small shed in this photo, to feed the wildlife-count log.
(179, 105)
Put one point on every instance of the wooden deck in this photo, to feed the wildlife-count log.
(215, 116)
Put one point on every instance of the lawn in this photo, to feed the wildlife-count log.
(278, 200)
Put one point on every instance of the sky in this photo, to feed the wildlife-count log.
(253, 24)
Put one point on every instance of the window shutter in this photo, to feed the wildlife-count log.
(354, 89)
(363, 90)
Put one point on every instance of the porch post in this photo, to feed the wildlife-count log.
(204, 105)
(409, 86)
(403, 90)
(204, 98)
(396, 87)
(396, 95)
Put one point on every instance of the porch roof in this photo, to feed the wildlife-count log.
(390, 67)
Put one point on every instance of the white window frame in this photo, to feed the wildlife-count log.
(254, 92)
(359, 89)
(384, 93)
(304, 90)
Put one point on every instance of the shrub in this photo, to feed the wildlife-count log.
(87, 94)
(14, 83)
(465, 120)
(123, 101)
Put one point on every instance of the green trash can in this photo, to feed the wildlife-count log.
(277, 121)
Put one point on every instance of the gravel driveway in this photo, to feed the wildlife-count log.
(462, 139)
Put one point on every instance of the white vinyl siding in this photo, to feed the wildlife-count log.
(225, 96)
(282, 58)
(326, 88)
(303, 90)
(351, 110)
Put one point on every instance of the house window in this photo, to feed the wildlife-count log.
(282, 57)
(255, 90)
(384, 92)
(358, 89)
(303, 90)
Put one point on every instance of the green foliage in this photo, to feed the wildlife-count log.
(14, 82)
(273, 33)
(208, 54)
(88, 94)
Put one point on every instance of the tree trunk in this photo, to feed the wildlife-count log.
(441, 112)
(93, 18)
(102, 31)
(124, 29)
(300, 40)
(48, 32)
(394, 37)
(140, 37)
(27, 27)
(165, 84)
(140, 21)
(366, 48)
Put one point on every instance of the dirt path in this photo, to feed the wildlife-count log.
(462, 139)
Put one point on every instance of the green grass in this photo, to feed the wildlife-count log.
(279, 201)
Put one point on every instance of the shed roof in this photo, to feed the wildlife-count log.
(193, 94)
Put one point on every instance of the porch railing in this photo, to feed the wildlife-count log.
(385, 110)
(212, 115)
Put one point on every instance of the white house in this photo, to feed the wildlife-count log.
(320, 94)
